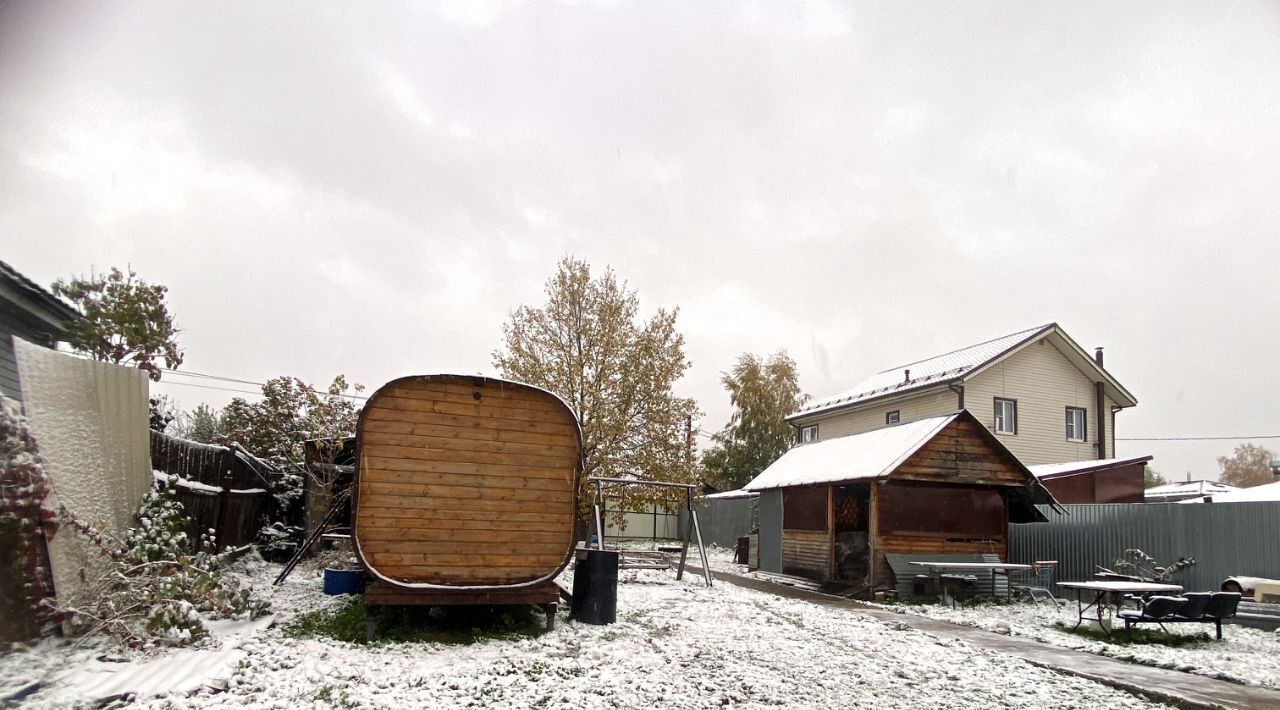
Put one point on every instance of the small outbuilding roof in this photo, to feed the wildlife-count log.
(1185, 489)
(1072, 468)
(1253, 494)
(731, 495)
(872, 454)
(959, 365)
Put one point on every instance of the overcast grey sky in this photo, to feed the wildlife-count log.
(370, 189)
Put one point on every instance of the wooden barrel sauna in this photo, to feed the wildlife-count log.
(465, 483)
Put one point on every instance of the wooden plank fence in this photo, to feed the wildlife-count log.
(222, 489)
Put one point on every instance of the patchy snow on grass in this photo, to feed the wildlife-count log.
(1245, 655)
(676, 645)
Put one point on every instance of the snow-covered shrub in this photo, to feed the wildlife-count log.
(161, 530)
(26, 588)
(159, 589)
(1137, 563)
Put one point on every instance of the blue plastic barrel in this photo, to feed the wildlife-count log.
(343, 581)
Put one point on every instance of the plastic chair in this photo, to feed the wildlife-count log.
(1195, 607)
(1154, 609)
(1221, 606)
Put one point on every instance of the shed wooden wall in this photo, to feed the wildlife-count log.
(959, 458)
(465, 482)
(806, 553)
(961, 453)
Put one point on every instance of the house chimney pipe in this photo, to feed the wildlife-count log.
(1097, 356)
(906, 375)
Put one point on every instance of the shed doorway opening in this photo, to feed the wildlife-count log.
(851, 507)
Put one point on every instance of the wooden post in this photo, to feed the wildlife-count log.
(224, 501)
(873, 532)
(831, 531)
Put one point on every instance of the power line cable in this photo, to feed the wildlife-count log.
(1199, 438)
(211, 387)
(234, 380)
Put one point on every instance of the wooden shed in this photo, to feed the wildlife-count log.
(465, 491)
(832, 510)
(1096, 481)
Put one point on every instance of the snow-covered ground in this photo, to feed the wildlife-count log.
(1245, 655)
(676, 644)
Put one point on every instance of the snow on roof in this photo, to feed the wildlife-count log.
(731, 495)
(33, 291)
(1189, 488)
(1268, 492)
(1058, 469)
(924, 373)
(872, 454)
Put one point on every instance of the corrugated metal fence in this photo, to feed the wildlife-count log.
(722, 522)
(1224, 539)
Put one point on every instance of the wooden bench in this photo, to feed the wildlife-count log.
(1194, 608)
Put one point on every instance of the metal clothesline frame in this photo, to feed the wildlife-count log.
(692, 530)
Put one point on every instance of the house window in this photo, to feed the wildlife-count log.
(892, 417)
(1076, 430)
(1006, 416)
(809, 433)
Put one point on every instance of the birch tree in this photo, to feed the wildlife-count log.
(588, 345)
(1249, 465)
(763, 391)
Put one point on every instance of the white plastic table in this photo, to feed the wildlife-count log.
(936, 568)
(1113, 589)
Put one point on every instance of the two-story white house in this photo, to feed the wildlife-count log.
(1047, 400)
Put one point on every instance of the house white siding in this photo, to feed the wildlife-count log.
(912, 408)
(1044, 383)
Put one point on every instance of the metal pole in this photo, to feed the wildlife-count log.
(599, 524)
(706, 568)
(688, 532)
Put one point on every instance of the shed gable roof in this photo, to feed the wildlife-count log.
(959, 366)
(872, 454)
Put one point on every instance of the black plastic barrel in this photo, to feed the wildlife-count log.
(595, 587)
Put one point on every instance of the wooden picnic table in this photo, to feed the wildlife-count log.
(1111, 590)
(994, 568)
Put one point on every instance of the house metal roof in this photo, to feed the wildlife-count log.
(36, 295)
(957, 365)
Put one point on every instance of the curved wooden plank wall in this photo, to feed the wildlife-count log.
(465, 482)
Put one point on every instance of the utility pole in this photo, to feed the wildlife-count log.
(688, 442)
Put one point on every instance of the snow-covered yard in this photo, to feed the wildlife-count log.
(1245, 655)
(676, 644)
